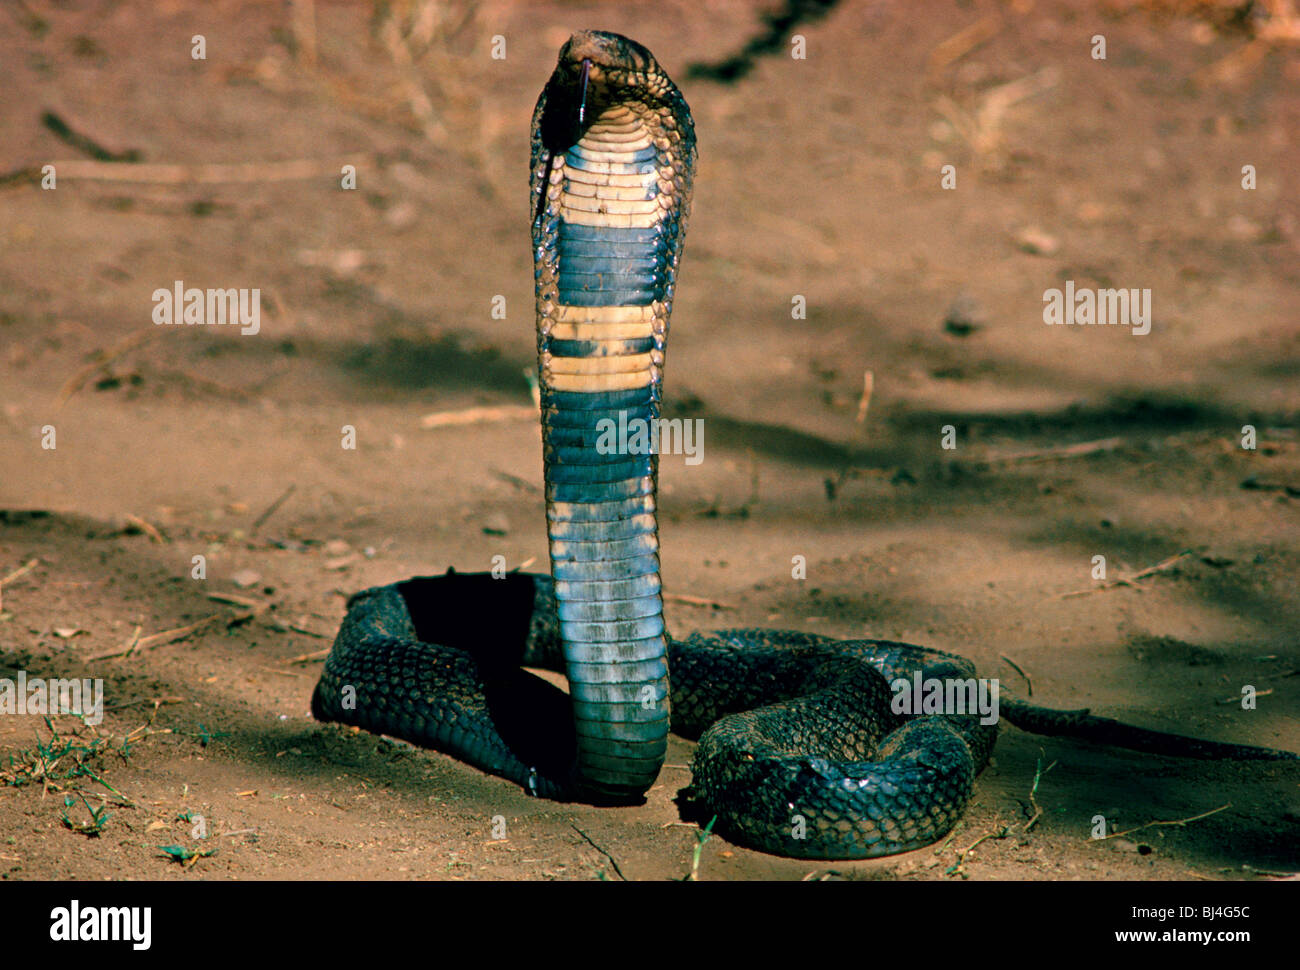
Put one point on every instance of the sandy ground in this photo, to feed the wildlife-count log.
(818, 178)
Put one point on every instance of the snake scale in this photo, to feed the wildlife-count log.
(801, 751)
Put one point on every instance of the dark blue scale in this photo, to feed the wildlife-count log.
(635, 296)
(576, 464)
(564, 403)
(587, 493)
(617, 236)
(585, 427)
(608, 471)
(600, 348)
(610, 266)
(576, 447)
(568, 428)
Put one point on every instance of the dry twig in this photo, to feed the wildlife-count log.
(478, 415)
(960, 44)
(612, 861)
(147, 528)
(102, 359)
(1131, 580)
(272, 508)
(20, 571)
(697, 601)
(1176, 821)
(1061, 451)
(1029, 684)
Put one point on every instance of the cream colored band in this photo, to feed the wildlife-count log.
(632, 363)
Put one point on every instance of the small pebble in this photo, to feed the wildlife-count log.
(1031, 239)
(402, 216)
(964, 317)
(1243, 229)
(246, 578)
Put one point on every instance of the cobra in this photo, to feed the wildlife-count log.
(801, 749)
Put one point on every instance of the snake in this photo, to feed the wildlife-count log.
(803, 747)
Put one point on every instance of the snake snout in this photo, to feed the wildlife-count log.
(597, 68)
(607, 50)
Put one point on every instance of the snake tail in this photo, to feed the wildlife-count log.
(613, 154)
(1104, 730)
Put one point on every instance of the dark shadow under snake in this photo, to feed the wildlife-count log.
(808, 746)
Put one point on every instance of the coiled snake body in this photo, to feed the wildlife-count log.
(801, 750)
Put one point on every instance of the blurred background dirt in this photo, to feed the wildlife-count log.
(819, 178)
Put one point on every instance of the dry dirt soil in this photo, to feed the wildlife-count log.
(817, 178)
